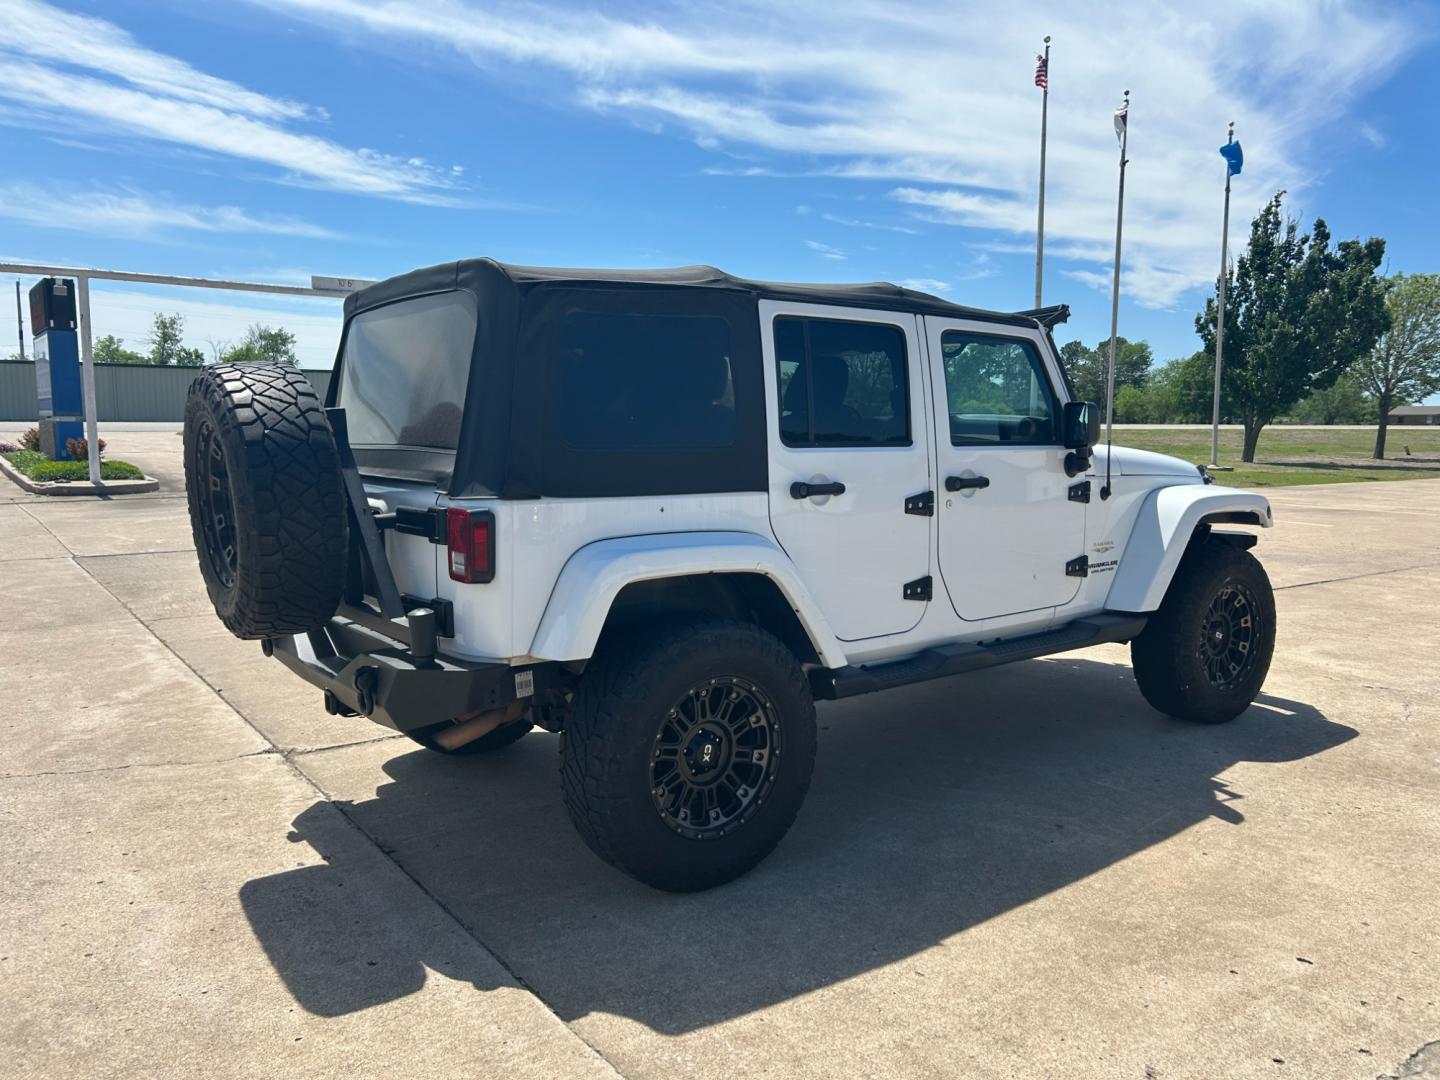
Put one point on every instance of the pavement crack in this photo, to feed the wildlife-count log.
(1356, 577)
(139, 765)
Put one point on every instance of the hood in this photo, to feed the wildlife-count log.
(1131, 462)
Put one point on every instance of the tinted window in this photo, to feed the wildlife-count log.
(627, 381)
(996, 389)
(404, 370)
(841, 383)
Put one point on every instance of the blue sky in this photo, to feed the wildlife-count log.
(811, 141)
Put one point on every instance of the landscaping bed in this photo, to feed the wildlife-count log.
(33, 471)
(40, 468)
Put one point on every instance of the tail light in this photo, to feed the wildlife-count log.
(470, 544)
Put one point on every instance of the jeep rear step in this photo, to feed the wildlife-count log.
(937, 663)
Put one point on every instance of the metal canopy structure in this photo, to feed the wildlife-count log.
(336, 288)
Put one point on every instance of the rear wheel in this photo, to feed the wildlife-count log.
(1205, 654)
(689, 752)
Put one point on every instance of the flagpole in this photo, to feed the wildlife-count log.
(1220, 312)
(1115, 301)
(1040, 221)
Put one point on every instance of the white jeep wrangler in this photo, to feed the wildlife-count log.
(663, 512)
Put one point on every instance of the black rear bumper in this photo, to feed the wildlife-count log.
(367, 673)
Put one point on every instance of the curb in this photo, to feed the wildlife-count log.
(78, 487)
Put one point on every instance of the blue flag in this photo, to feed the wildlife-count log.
(1233, 157)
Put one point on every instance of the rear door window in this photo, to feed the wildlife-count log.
(841, 383)
(404, 371)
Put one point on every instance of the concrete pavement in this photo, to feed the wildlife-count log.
(1024, 872)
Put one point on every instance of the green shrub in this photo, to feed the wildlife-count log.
(38, 467)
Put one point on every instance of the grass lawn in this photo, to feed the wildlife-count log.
(1299, 456)
(38, 467)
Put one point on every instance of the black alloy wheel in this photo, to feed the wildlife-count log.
(216, 510)
(715, 757)
(1228, 638)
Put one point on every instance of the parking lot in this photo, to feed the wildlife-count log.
(1021, 873)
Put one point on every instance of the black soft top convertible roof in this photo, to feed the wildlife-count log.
(482, 275)
(511, 444)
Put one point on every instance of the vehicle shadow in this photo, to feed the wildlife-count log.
(933, 809)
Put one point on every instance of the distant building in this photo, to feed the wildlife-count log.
(1411, 415)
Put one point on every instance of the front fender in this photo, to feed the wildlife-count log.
(1162, 531)
(594, 576)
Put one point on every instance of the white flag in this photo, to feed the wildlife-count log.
(1121, 116)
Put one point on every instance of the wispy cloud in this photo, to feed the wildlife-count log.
(90, 74)
(925, 284)
(825, 251)
(899, 93)
(134, 215)
(856, 223)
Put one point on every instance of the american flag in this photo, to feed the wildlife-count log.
(1042, 72)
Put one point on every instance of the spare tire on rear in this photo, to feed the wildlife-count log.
(267, 510)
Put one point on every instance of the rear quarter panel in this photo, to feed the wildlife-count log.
(536, 538)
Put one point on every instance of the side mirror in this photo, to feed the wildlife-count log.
(1080, 423)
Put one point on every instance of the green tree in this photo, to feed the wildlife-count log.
(1404, 365)
(262, 345)
(1343, 403)
(1181, 391)
(167, 344)
(1298, 314)
(1088, 367)
(111, 350)
(1131, 405)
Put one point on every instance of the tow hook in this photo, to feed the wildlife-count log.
(367, 680)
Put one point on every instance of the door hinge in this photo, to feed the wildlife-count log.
(922, 505)
(919, 589)
(1078, 566)
(1080, 492)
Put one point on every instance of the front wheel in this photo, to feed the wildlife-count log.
(1205, 654)
(688, 752)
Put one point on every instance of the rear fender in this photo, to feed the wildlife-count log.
(593, 577)
(1163, 528)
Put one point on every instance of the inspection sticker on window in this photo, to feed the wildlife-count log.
(524, 684)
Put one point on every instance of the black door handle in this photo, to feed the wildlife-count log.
(966, 483)
(801, 490)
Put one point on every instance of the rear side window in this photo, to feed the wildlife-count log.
(841, 383)
(996, 390)
(404, 370)
(644, 382)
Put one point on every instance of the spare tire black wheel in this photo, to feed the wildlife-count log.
(267, 510)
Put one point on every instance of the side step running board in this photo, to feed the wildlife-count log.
(937, 663)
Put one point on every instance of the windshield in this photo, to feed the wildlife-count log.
(404, 370)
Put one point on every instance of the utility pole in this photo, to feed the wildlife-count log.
(20, 319)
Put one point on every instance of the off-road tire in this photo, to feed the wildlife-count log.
(503, 736)
(606, 749)
(1168, 656)
(260, 455)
